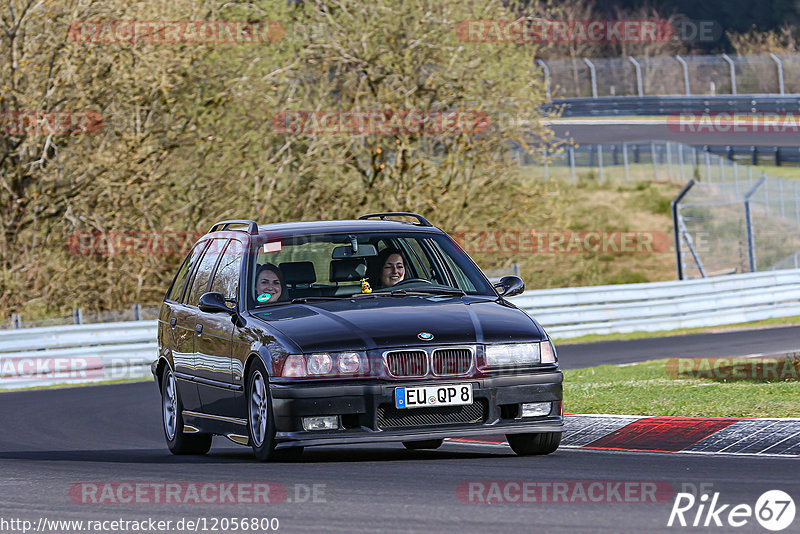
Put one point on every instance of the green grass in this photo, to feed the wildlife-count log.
(591, 338)
(646, 389)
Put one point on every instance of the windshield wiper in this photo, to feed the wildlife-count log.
(301, 300)
(426, 291)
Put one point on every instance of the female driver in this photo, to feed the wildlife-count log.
(269, 284)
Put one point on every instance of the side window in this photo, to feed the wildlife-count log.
(226, 279)
(462, 279)
(203, 273)
(176, 290)
(420, 259)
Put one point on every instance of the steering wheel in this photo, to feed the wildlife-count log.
(411, 281)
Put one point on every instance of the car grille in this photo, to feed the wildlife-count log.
(407, 363)
(391, 417)
(451, 361)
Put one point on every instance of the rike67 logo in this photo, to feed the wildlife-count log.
(774, 510)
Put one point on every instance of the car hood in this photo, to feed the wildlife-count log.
(369, 323)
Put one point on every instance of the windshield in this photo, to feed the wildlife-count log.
(346, 265)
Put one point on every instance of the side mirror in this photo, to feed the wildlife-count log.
(214, 303)
(510, 286)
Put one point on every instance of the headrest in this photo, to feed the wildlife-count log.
(348, 270)
(298, 272)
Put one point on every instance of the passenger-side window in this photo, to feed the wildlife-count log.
(176, 291)
(203, 273)
(462, 279)
(226, 279)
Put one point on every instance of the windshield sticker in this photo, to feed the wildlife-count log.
(275, 246)
(263, 297)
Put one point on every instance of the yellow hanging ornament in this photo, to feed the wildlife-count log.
(365, 288)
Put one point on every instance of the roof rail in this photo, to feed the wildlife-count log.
(252, 226)
(422, 221)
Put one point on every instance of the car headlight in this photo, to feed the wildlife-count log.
(512, 355)
(319, 364)
(326, 364)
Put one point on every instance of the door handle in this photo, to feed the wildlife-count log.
(173, 322)
(198, 329)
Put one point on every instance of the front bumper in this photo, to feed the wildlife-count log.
(362, 410)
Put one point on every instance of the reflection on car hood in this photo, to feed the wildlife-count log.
(369, 323)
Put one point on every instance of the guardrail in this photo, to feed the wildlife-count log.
(613, 106)
(71, 354)
(656, 306)
(107, 351)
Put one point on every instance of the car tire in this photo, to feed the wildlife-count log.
(172, 420)
(423, 444)
(260, 421)
(534, 444)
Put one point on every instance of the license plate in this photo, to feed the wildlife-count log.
(433, 396)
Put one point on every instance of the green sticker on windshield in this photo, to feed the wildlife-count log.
(263, 297)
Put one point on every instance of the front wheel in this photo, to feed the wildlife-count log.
(423, 444)
(534, 444)
(259, 413)
(172, 417)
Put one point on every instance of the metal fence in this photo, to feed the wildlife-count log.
(734, 222)
(79, 316)
(644, 161)
(733, 219)
(673, 75)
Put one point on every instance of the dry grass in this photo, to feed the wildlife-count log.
(593, 206)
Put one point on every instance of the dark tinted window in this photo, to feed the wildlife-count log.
(203, 273)
(176, 290)
(226, 279)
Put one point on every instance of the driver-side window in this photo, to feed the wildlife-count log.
(203, 274)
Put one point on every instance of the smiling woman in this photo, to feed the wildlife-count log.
(391, 268)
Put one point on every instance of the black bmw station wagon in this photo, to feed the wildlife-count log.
(284, 336)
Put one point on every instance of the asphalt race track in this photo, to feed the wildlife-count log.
(589, 132)
(52, 440)
(711, 345)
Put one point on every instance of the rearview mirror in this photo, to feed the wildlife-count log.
(346, 251)
(214, 303)
(510, 286)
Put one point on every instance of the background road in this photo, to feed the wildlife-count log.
(712, 345)
(608, 131)
(52, 439)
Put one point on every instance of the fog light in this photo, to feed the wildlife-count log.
(535, 409)
(329, 422)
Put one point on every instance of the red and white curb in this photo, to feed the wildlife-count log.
(692, 435)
